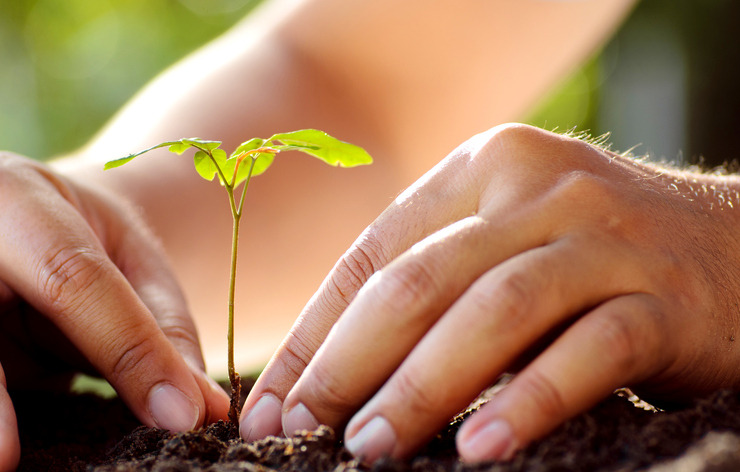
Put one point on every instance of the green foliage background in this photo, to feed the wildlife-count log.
(668, 79)
(67, 65)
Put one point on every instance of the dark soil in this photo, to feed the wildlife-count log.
(87, 433)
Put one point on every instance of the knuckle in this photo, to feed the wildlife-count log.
(65, 277)
(605, 213)
(509, 300)
(583, 185)
(127, 359)
(626, 337)
(519, 150)
(413, 394)
(328, 391)
(502, 142)
(512, 134)
(412, 283)
(295, 354)
(543, 394)
(357, 265)
(622, 339)
(178, 333)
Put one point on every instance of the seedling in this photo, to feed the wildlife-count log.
(233, 171)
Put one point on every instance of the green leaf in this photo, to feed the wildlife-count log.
(179, 147)
(253, 143)
(294, 147)
(122, 160)
(220, 156)
(118, 162)
(205, 165)
(264, 160)
(201, 143)
(327, 148)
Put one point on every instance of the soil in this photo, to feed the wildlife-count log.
(87, 433)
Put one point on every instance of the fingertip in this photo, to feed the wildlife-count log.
(376, 439)
(298, 418)
(262, 413)
(215, 398)
(217, 402)
(172, 409)
(492, 440)
(263, 419)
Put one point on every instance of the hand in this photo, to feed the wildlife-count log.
(587, 270)
(83, 284)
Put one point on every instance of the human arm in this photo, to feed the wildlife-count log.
(343, 67)
(290, 76)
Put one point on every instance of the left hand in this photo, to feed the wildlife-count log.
(522, 248)
(85, 285)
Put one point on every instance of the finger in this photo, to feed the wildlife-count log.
(408, 296)
(140, 258)
(444, 195)
(55, 261)
(494, 322)
(618, 344)
(10, 446)
(405, 299)
(397, 307)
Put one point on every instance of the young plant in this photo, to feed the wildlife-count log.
(252, 158)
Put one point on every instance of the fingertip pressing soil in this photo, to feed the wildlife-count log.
(87, 433)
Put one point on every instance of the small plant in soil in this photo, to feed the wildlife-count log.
(251, 158)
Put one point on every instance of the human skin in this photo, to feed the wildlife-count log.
(84, 286)
(284, 69)
(591, 270)
(275, 72)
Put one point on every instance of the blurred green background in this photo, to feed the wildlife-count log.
(67, 65)
(668, 80)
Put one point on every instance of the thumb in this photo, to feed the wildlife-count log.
(52, 258)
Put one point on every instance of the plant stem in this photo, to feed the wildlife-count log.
(234, 377)
(246, 185)
(236, 213)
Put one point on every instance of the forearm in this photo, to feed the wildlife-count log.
(408, 99)
(263, 87)
(419, 78)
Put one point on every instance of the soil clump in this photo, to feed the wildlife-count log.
(88, 433)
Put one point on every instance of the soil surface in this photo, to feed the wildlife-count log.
(87, 433)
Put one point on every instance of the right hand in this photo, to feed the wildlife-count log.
(84, 285)
(524, 251)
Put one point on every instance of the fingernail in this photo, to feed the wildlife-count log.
(172, 409)
(264, 419)
(298, 419)
(375, 440)
(495, 441)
